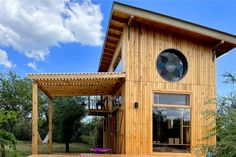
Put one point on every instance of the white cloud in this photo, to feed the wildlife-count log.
(33, 26)
(32, 65)
(4, 59)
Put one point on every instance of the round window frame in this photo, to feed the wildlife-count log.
(180, 55)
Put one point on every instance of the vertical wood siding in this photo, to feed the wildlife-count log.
(142, 48)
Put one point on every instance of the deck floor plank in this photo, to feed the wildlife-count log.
(99, 155)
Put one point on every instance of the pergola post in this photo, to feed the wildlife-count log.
(35, 119)
(50, 126)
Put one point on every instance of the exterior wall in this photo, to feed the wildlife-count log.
(120, 140)
(114, 130)
(142, 46)
(121, 123)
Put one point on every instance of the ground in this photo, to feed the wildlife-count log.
(24, 148)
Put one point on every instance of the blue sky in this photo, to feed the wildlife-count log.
(28, 46)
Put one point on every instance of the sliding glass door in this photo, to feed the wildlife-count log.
(171, 123)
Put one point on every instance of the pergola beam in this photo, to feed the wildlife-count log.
(44, 90)
(80, 94)
(75, 76)
(80, 82)
(70, 87)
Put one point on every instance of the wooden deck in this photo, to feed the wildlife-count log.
(88, 155)
(103, 155)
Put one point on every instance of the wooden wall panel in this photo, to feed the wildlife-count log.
(121, 122)
(142, 47)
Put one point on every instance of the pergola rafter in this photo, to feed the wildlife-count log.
(69, 84)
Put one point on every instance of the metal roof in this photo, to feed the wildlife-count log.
(122, 13)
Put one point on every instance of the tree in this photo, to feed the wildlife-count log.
(15, 102)
(225, 120)
(70, 112)
(6, 137)
(15, 94)
(98, 129)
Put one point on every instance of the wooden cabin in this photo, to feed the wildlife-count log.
(156, 73)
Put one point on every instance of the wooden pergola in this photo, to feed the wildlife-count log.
(69, 84)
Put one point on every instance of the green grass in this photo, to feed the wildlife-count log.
(24, 148)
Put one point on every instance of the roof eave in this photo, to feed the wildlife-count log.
(171, 21)
(105, 38)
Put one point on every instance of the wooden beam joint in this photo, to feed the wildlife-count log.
(44, 90)
(214, 49)
(117, 87)
(129, 25)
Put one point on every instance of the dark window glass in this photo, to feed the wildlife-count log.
(171, 130)
(172, 99)
(172, 65)
(117, 101)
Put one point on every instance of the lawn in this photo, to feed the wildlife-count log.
(24, 148)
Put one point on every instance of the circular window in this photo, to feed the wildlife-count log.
(172, 65)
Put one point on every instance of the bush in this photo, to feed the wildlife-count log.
(87, 139)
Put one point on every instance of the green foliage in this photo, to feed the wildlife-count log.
(98, 131)
(225, 120)
(15, 104)
(7, 139)
(226, 133)
(23, 129)
(87, 139)
(7, 117)
(16, 109)
(99, 136)
(229, 78)
(15, 94)
(24, 148)
(68, 113)
(92, 131)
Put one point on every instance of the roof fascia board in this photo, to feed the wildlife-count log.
(104, 43)
(118, 47)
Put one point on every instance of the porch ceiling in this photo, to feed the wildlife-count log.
(78, 84)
